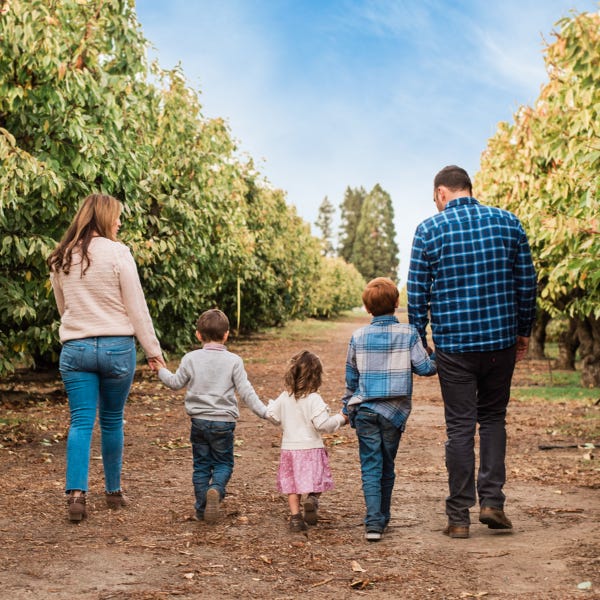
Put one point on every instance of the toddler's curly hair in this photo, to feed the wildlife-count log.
(304, 374)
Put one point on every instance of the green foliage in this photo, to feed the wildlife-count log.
(325, 225)
(375, 252)
(81, 112)
(339, 288)
(351, 208)
(70, 122)
(544, 167)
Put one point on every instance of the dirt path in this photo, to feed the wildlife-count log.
(155, 550)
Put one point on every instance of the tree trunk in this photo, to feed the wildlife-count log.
(588, 332)
(537, 343)
(568, 342)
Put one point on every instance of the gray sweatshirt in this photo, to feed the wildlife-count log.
(212, 376)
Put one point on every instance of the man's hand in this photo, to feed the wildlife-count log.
(522, 347)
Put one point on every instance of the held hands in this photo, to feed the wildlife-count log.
(156, 362)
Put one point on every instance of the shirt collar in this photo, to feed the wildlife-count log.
(384, 320)
(462, 201)
(213, 346)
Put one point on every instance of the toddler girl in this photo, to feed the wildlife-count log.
(303, 415)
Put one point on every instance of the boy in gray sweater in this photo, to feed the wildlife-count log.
(212, 376)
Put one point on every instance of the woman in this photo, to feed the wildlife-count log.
(102, 308)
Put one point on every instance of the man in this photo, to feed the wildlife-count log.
(471, 272)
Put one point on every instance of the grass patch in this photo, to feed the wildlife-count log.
(556, 386)
(555, 393)
(557, 378)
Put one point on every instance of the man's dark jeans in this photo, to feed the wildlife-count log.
(476, 390)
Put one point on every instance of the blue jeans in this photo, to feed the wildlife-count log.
(476, 390)
(212, 448)
(97, 373)
(378, 441)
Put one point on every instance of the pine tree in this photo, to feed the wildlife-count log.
(375, 252)
(324, 223)
(350, 216)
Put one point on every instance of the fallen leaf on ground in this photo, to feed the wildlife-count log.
(357, 568)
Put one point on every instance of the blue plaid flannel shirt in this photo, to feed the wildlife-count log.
(379, 364)
(471, 271)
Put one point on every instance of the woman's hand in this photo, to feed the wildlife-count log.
(156, 362)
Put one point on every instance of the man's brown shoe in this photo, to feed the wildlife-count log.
(494, 518)
(457, 531)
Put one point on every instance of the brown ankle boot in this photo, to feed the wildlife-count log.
(116, 499)
(76, 507)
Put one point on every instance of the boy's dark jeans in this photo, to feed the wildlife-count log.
(476, 389)
(378, 441)
(212, 447)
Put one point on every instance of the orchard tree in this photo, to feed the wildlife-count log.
(544, 167)
(74, 109)
(375, 252)
(187, 228)
(324, 223)
(350, 208)
(340, 287)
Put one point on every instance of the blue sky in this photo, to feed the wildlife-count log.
(329, 94)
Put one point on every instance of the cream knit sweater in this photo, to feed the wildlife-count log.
(108, 300)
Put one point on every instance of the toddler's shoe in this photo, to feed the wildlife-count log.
(373, 536)
(116, 500)
(297, 523)
(211, 511)
(311, 506)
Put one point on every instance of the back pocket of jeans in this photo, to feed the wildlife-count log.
(71, 357)
(120, 363)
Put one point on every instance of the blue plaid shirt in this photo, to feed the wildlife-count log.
(379, 364)
(471, 270)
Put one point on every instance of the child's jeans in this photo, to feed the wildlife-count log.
(378, 441)
(212, 447)
(97, 373)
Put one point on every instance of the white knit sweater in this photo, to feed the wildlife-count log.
(108, 300)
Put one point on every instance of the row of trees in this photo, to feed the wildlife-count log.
(367, 237)
(81, 111)
(545, 167)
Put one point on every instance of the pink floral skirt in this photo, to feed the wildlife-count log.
(304, 471)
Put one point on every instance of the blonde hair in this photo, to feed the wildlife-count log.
(304, 374)
(96, 217)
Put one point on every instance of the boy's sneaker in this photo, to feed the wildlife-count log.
(373, 536)
(311, 506)
(297, 523)
(211, 511)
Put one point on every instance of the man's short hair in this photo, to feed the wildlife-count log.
(380, 297)
(212, 325)
(454, 178)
